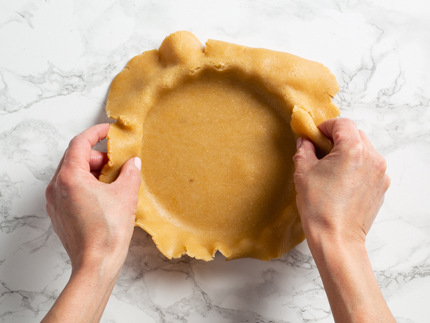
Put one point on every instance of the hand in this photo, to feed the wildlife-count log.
(93, 220)
(340, 194)
(338, 198)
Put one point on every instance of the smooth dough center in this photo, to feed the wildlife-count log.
(216, 153)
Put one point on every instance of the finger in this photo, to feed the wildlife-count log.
(305, 156)
(79, 151)
(129, 179)
(340, 130)
(97, 160)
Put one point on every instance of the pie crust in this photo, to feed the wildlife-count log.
(212, 127)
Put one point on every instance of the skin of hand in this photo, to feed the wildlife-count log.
(338, 198)
(94, 222)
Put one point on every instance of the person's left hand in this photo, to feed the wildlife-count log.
(93, 220)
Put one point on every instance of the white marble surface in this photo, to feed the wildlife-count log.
(57, 59)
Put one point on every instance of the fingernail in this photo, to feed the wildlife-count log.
(137, 163)
(299, 142)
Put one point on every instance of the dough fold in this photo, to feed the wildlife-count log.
(212, 127)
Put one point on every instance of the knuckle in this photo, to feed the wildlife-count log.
(356, 152)
(131, 173)
(74, 143)
(340, 136)
(134, 173)
(129, 176)
(74, 140)
(381, 165)
(64, 179)
(71, 143)
(350, 123)
(299, 156)
(345, 129)
(345, 122)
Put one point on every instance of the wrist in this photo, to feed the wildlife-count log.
(333, 234)
(348, 279)
(323, 241)
(86, 293)
(108, 257)
(98, 275)
(330, 250)
(99, 266)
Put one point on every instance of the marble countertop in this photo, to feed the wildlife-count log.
(57, 60)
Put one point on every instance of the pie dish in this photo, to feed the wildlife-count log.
(212, 128)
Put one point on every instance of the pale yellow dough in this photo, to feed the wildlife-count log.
(212, 127)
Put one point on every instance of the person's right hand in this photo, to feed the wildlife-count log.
(338, 198)
(340, 194)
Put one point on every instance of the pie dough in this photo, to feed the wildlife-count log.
(212, 127)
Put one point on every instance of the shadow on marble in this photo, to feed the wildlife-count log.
(220, 291)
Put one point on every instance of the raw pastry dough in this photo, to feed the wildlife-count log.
(211, 126)
(303, 125)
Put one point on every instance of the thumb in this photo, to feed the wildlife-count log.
(129, 179)
(305, 156)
